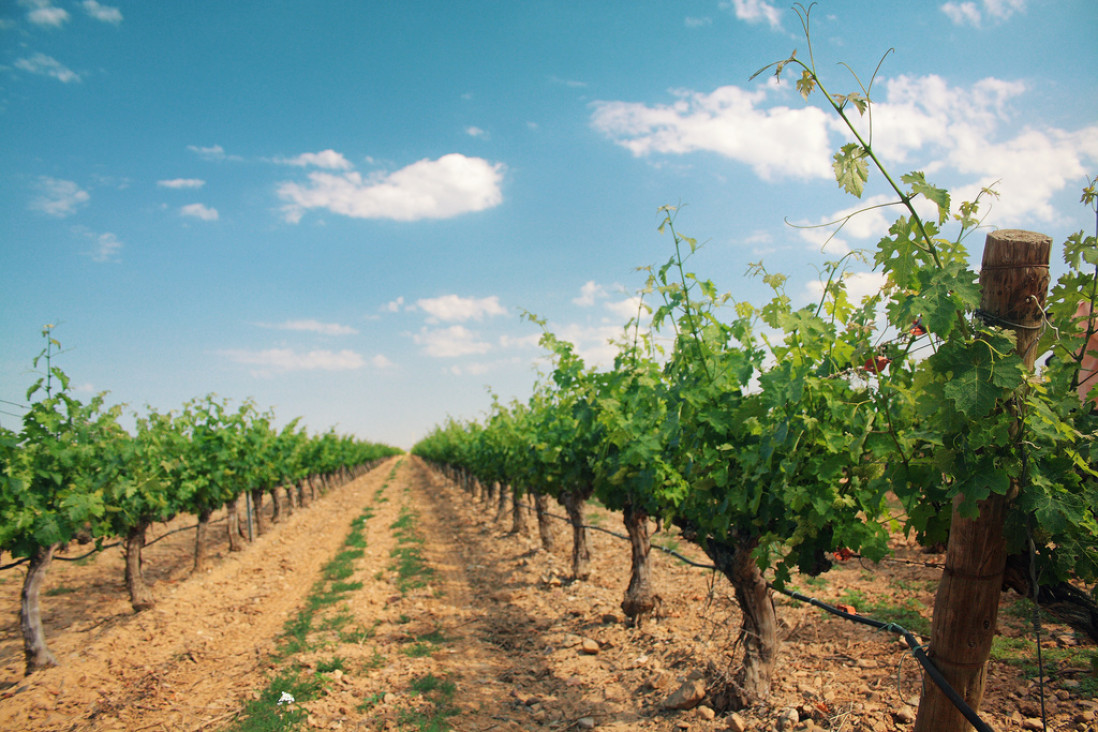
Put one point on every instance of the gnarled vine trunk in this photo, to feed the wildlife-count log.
(141, 597)
(257, 511)
(501, 506)
(758, 637)
(35, 650)
(581, 556)
(518, 518)
(545, 533)
(276, 505)
(291, 498)
(1067, 603)
(639, 599)
(200, 554)
(236, 544)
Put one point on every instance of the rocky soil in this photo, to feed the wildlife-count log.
(488, 635)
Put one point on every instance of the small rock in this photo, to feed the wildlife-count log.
(1033, 723)
(585, 723)
(1029, 709)
(389, 698)
(687, 696)
(609, 618)
(904, 715)
(788, 719)
(590, 647)
(336, 675)
(736, 723)
(705, 712)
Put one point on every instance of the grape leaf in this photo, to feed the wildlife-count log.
(940, 196)
(851, 169)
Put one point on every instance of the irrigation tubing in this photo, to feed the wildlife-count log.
(917, 649)
(24, 560)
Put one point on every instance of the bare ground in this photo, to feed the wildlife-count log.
(497, 622)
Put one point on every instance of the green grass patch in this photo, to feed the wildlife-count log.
(60, 590)
(1022, 654)
(335, 622)
(360, 634)
(267, 714)
(345, 587)
(371, 701)
(418, 650)
(334, 664)
(440, 693)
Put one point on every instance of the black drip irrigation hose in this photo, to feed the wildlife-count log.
(917, 649)
(166, 534)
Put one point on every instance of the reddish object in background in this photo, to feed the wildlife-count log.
(842, 554)
(877, 364)
(917, 328)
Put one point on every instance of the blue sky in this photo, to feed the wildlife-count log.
(341, 208)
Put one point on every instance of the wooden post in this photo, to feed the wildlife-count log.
(1014, 278)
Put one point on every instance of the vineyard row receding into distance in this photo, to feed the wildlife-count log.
(775, 437)
(72, 473)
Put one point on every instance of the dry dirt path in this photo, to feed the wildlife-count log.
(186, 663)
(448, 620)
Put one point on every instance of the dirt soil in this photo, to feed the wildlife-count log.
(513, 644)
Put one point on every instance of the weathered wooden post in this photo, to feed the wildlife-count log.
(1014, 278)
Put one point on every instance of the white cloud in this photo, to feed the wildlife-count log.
(858, 285)
(328, 159)
(962, 136)
(58, 198)
(213, 152)
(588, 294)
(44, 65)
(962, 13)
(692, 22)
(730, 121)
(312, 326)
(453, 308)
(381, 362)
(626, 309)
(530, 341)
(43, 14)
(282, 360)
(1003, 9)
(968, 13)
(961, 129)
(755, 11)
(394, 305)
(475, 132)
(105, 247)
(429, 189)
(451, 342)
(105, 13)
(181, 183)
(199, 211)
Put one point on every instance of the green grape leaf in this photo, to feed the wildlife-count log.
(851, 168)
(940, 196)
